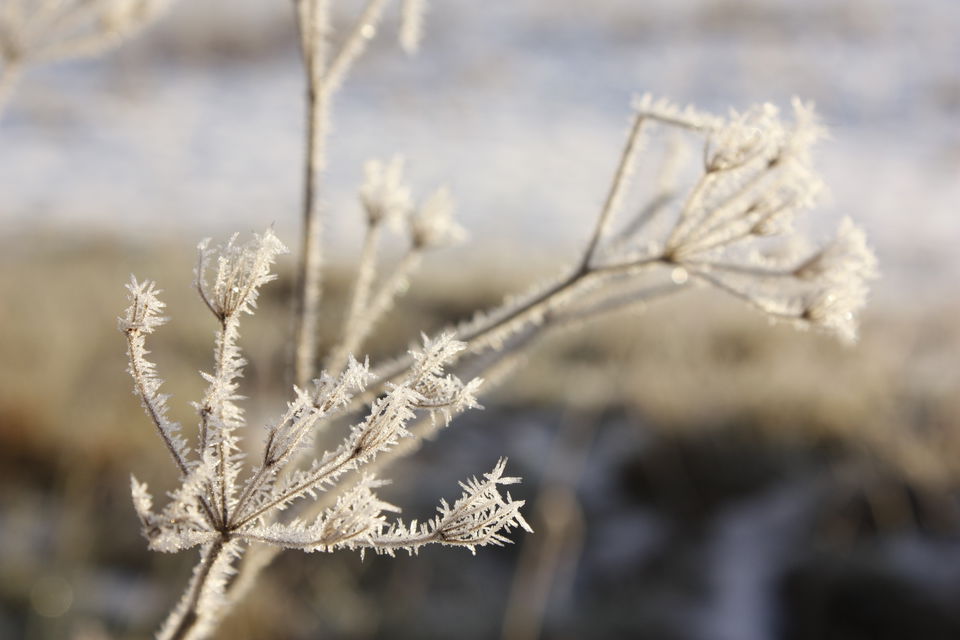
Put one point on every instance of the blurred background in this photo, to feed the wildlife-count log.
(691, 471)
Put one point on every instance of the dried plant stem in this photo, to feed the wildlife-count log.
(155, 414)
(260, 556)
(362, 286)
(736, 293)
(484, 335)
(427, 427)
(727, 208)
(360, 325)
(724, 210)
(617, 189)
(355, 44)
(323, 79)
(365, 275)
(309, 276)
(687, 216)
(186, 619)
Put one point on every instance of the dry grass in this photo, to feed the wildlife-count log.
(695, 362)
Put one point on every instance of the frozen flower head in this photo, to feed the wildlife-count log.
(384, 195)
(834, 309)
(743, 138)
(734, 227)
(840, 273)
(241, 270)
(433, 225)
(846, 257)
(805, 131)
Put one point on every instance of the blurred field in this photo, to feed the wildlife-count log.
(698, 361)
(737, 405)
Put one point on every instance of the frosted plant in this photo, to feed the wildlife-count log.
(730, 229)
(755, 176)
(222, 507)
(34, 32)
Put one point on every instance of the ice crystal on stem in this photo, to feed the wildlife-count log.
(222, 508)
(384, 195)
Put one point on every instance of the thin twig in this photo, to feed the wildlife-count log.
(617, 189)
(323, 80)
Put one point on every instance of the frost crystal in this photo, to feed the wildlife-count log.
(222, 507)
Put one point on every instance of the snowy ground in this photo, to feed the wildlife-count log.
(520, 107)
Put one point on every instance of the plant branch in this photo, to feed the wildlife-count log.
(617, 189)
(322, 83)
(186, 617)
(164, 427)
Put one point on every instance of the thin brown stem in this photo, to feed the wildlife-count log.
(733, 291)
(309, 275)
(352, 334)
(378, 305)
(323, 80)
(687, 213)
(333, 468)
(183, 619)
(477, 337)
(617, 189)
(152, 409)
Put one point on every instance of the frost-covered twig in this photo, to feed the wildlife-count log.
(325, 75)
(212, 508)
(142, 318)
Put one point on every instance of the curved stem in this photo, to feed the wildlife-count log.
(617, 188)
(189, 618)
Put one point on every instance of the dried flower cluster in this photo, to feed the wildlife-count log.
(734, 229)
(221, 508)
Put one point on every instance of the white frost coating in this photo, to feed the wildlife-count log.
(217, 510)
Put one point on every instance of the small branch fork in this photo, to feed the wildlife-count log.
(324, 78)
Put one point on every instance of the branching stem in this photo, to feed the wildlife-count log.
(323, 80)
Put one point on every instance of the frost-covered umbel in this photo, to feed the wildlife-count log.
(222, 507)
(731, 229)
(734, 228)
